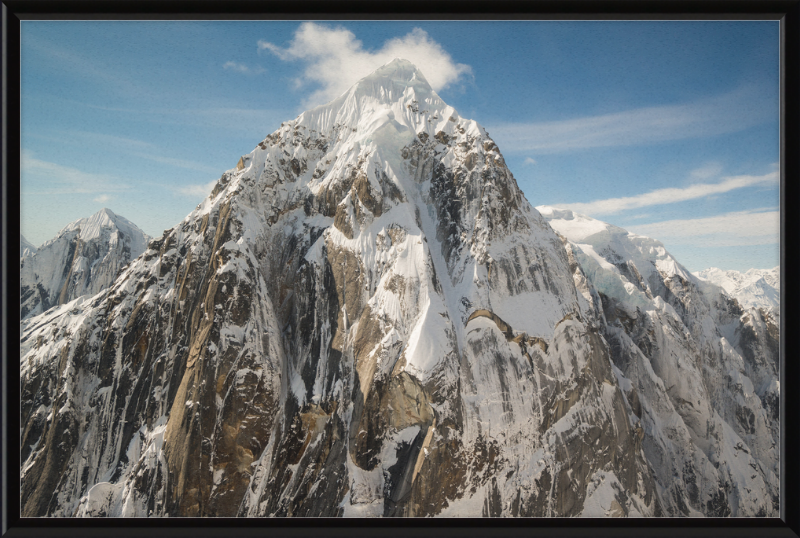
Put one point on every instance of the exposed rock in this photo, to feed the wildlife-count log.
(685, 354)
(369, 319)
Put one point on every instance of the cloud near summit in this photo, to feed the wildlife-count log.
(336, 59)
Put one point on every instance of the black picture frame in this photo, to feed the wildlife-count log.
(15, 11)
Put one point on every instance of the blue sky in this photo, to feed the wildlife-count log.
(669, 129)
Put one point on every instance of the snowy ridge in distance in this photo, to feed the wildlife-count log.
(754, 288)
(25, 247)
(84, 258)
(660, 317)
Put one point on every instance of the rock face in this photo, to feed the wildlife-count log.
(367, 318)
(84, 258)
(703, 370)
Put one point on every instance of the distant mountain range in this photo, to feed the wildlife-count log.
(755, 288)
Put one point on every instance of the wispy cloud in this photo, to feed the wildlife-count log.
(179, 163)
(59, 179)
(727, 113)
(234, 119)
(242, 68)
(529, 160)
(336, 59)
(202, 113)
(96, 139)
(669, 196)
(197, 191)
(131, 147)
(740, 228)
(103, 198)
(707, 171)
(120, 79)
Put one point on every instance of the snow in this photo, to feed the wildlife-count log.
(576, 227)
(755, 288)
(67, 271)
(421, 297)
(601, 496)
(92, 228)
(25, 247)
(600, 246)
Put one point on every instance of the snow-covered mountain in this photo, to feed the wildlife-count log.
(695, 360)
(84, 258)
(25, 247)
(366, 317)
(755, 288)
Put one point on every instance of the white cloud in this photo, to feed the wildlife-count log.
(200, 191)
(336, 59)
(740, 228)
(242, 68)
(727, 113)
(529, 160)
(103, 198)
(706, 171)
(669, 196)
(59, 179)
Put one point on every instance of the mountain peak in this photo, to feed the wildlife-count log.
(107, 212)
(398, 70)
(378, 115)
(397, 90)
(392, 82)
(90, 228)
(83, 259)
(104, 217)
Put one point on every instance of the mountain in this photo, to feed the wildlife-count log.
(695, 360)
(84, 258)
(366, 317)
(755, 288)
(25, 247)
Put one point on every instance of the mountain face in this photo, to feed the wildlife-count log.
(703, 369)
(84, 258)
(755, 288)
(25, 247)
(367, 318)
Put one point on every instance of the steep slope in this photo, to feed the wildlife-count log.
(365, 317)
(25, 247)
(755, 288)
(701, 372)
(84, 258)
